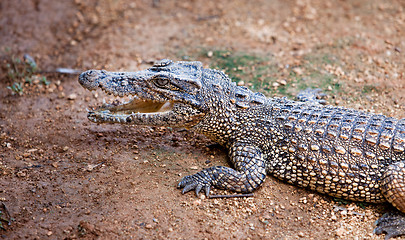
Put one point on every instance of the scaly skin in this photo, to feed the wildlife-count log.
(341, 152)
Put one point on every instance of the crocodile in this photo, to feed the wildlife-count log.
(341, 152)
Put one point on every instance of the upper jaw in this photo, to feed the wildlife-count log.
(116, 83)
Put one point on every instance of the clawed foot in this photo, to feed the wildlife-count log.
(392, 223)
(195, 182)
(312, 95)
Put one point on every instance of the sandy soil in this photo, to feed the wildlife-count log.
(63, 177)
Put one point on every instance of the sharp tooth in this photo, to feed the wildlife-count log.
(104, 102)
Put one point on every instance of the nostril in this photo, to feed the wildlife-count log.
(89, 79)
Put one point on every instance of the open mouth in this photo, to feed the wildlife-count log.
(136, 106)
(125, 112)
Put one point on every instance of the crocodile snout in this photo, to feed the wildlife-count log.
(90, 79)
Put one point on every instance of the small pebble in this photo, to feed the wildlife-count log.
(282, 82)
(72, 96)
(241, 83)
(340, 232)
(298, 71)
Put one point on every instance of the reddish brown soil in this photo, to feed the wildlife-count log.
(63, 177)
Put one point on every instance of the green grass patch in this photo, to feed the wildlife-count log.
(369, 89)
(16, 88)
(257, 72)
(21, 72)
(265, 74)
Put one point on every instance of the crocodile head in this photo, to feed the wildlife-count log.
(164, 95)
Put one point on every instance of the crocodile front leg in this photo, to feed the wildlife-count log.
(393, 189)
(249, 172)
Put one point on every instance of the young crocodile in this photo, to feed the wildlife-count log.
(341, 152)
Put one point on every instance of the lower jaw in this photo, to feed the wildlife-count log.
(127, 113)
(135, 118)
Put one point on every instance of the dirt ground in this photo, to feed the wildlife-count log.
(63, 177)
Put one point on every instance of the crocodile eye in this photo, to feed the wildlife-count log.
(161, 82)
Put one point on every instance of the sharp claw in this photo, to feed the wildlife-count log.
(188, 188)
(198, 189)
(207, 190)
(195, 182)
(183, 182)
(390, 223)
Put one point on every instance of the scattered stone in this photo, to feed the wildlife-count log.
(298, 71)
(90, 167)
(241, 83)
(282, 82)
(340, 232)
(21, 174)
(303, 200)
(72, 96)
(148, 226)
